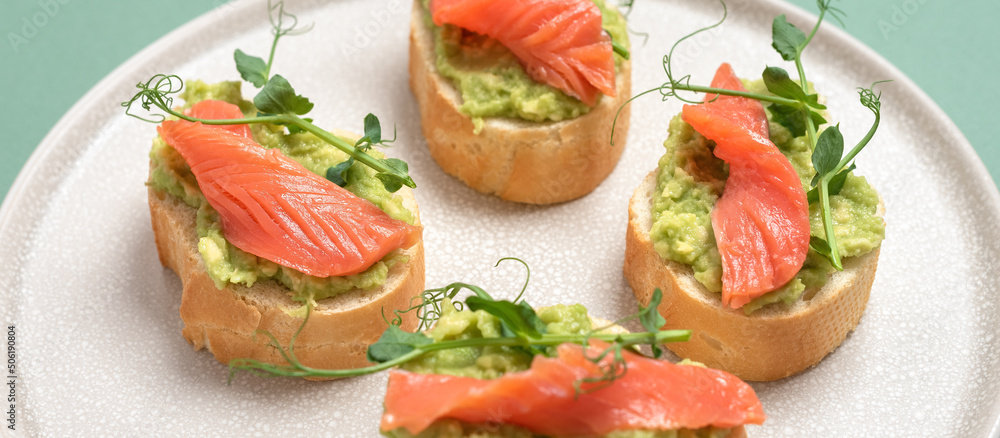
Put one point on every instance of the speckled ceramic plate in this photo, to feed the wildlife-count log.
(98, 333)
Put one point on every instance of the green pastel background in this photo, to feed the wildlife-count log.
(946, 47)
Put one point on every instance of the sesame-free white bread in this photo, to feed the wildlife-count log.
(227, 321)
(517, 160)
(773, 342)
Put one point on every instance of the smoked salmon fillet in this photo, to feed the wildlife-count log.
(652, 395)
(559, 42)
(761, 221)
(220, 110)
(273, 207)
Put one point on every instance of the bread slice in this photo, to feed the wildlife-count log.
(773, 342)
(517, 160)
(227, 321)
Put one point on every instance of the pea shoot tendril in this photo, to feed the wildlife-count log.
(793, 105)
(278, 104)
(521, 328)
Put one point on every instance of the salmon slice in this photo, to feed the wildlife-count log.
(653, 395)
(559, 42)
(274, 208)
(219, 110)
(761, 222)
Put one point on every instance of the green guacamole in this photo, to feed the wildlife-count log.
(691, 179)
(226, 263)
(489, 362)
(493, 362)
(494, 84)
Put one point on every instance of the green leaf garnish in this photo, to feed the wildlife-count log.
(391, 182)
(787, 38)
(338, 174)
(391, 179)
(395, 343)
(278, 104)
(520, 319)
(836, 185)
(397, 164)
(777, 81)
(793, 119)
(252, 69)
(791, 105)
(820, 246)
(827, 153)
(838, 180)
(872, 101)
(522, 329)
(397, 173)
(649, 315)
(278, 97)
(676, 83)
(158, 92)
(293, 129)
(373, 129)
(651, 319)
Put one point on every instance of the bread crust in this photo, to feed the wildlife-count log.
(227, 322)
(517, 160)
(770, 344)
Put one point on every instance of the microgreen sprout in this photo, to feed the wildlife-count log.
(521, 327)
(832, 168)
(253, 69)
(793, 105)
(277, 103)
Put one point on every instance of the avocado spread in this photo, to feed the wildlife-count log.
(494, 84)
(226, 263)
(691, 179)
(493, 362)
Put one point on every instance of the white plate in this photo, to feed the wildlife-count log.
(98, 333)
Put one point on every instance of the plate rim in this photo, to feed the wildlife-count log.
(33, 168)
(116, 76)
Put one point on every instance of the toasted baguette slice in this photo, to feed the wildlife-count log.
(517, 160)
(773, 342)
(227, 322)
